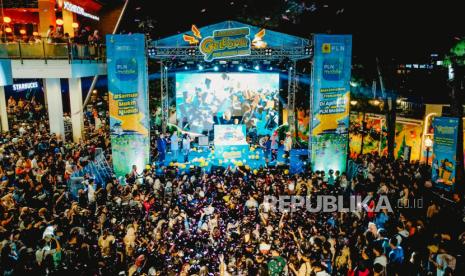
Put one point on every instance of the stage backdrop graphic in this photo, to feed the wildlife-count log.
(331, 95)
(128, 96)
(207, 99)
(444, 148)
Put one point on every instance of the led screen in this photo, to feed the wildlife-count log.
(207, 99)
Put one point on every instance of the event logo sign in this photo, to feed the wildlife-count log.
(331, 94)
(226, 43)
(129, 110)
(444, 149)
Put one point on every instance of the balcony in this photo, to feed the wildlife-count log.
(72, 52)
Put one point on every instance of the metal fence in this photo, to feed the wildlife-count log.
(53, 51)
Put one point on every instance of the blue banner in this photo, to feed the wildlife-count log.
(444, 152)
(331, 96)
(128, 97)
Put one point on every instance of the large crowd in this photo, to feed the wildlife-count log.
(214, 223)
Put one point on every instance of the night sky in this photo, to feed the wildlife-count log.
(395, 32)
(403, 30)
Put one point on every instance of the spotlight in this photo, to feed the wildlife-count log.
(185, 67)
(257, 67)
(240, 68)
(270, 68)
(216, 68)
(308, 50)
(191, 52)
(268, 52)
(200, 67)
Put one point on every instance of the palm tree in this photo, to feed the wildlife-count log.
(456, 61)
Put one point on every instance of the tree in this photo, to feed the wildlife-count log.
(456, 61)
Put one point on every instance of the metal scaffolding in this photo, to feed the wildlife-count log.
(172, 55)
(291, 92)
(164, 96)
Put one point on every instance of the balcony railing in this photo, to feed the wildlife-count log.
(53, 51)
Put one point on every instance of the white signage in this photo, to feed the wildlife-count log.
(79, 10)
(24, 86)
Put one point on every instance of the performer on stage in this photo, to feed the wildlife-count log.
(174, 146)
(287, 146)
(161, 147)
(186, 147)
(274, 146)
(265, 143)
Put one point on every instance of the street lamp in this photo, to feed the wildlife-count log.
(428, 145)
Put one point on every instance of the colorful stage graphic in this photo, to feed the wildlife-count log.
(207, 99)
(129, 110)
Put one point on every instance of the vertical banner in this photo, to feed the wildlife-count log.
(444, 149)
(129, 107)
(331, 95)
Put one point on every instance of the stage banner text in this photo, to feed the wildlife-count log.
(128, 96)
(331, 95)
(444, 149)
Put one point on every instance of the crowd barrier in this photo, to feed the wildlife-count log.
(98, 169)
(52, 51)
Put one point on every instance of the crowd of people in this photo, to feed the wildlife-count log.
(24, 109)
(214, 223)
(56, 34)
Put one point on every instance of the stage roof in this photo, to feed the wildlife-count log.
(272, 38)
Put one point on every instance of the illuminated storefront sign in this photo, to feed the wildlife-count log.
(18, 87)
(226, 43)
(78, 10)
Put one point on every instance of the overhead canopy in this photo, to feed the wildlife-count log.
(272, 38)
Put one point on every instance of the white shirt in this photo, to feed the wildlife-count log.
(186, 144)
(174, 142)
(91, 193)
(288, 144)
(251, 203)
(34, 164)
(382, 260)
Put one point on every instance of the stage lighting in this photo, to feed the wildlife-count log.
(257, 67)
(191, 52)
(216, 68)
(200, 67)
(240, 68)
(308, 50)
(270, 68)
(185, 67)
(268, 52)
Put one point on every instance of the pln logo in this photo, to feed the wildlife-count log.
(333, 69)
(126, 69)
(326, 48)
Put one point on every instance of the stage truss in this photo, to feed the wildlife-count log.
(168, 56)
